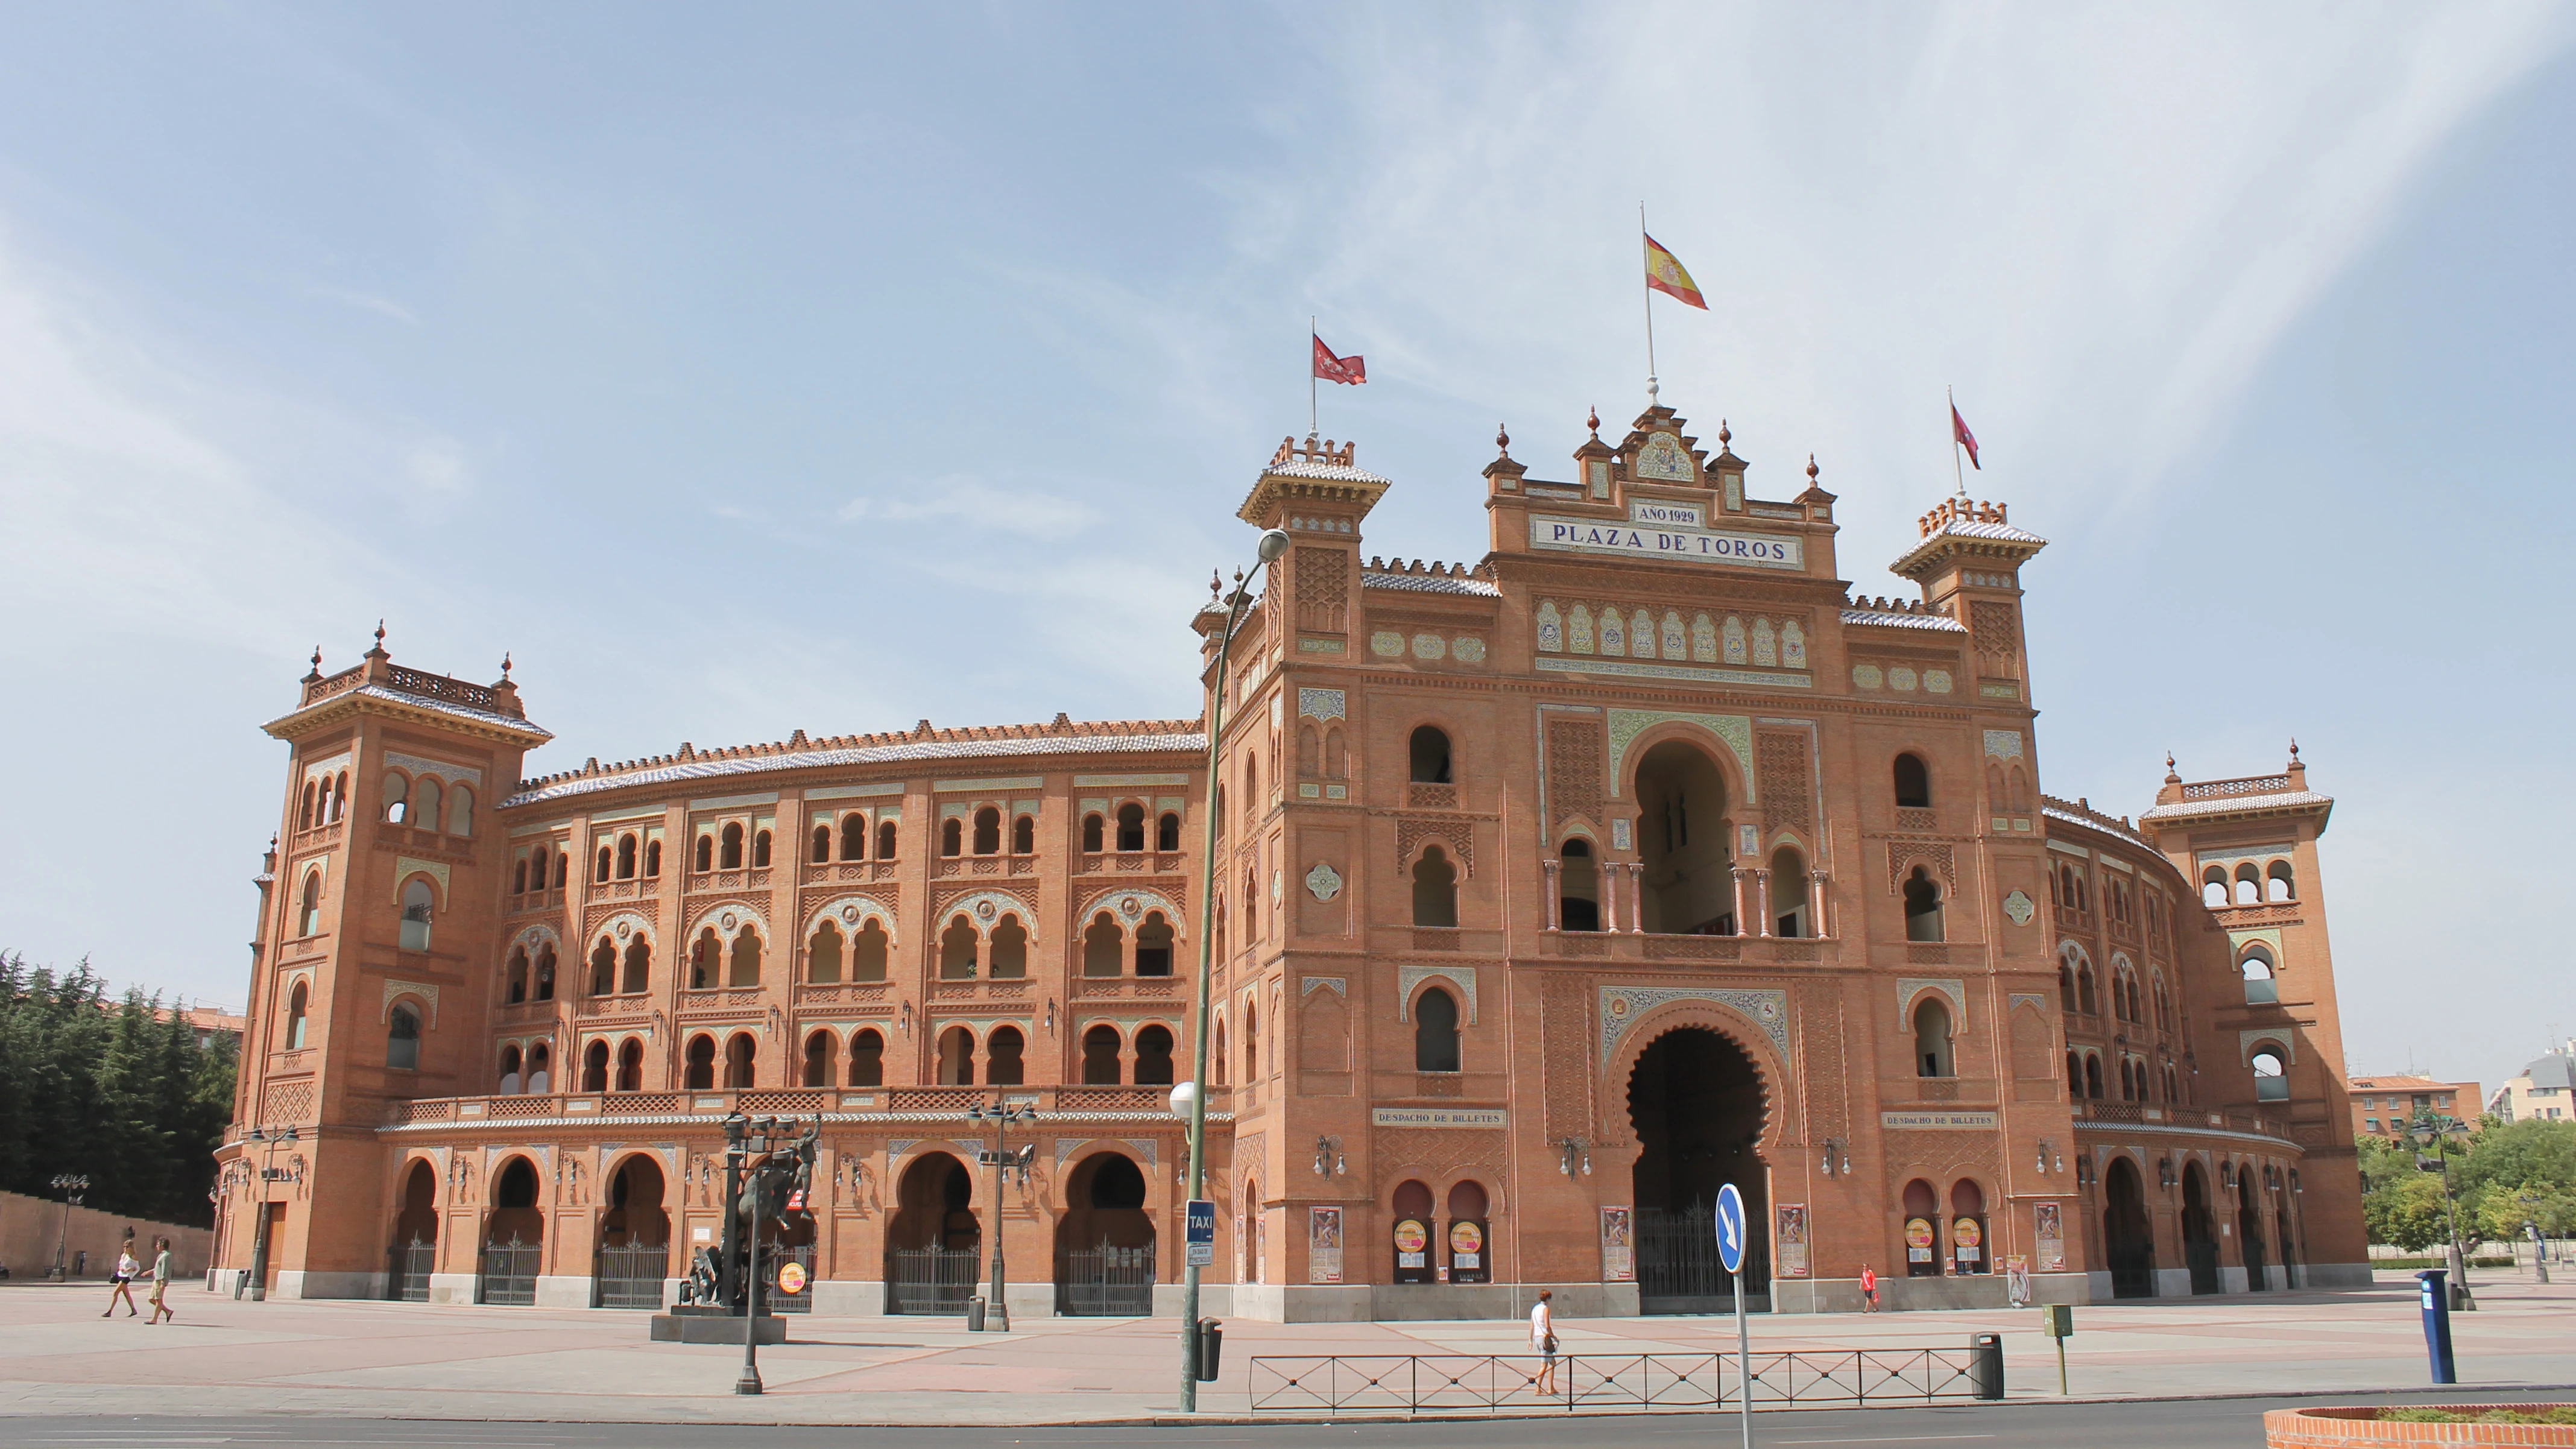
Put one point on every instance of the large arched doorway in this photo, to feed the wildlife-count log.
(634, 1237)
(1104, 1243)
(1689, 883)
(2126, 1239)
(2249, 1232)
(1696, 1104)
(2199, 1230)
(513, 1238)
(933, 1242)
(415, 1246)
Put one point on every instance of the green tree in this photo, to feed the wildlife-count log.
(2407, 1211)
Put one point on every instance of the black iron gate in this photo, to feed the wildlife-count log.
(408, 1280)
(930, 1280)
(774, 1260)
(509, 1277)
(1677, 1267)
(631, 1274)
(1105, 1281)
(2203, 1260)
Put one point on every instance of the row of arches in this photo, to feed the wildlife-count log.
(2249, 886)
(530, 872)
(325, 801)
(853, 837)
(724, 849)
(2136, 1078)
(417, 802)
(625, 857)
(2077, 993)
(1129, 832)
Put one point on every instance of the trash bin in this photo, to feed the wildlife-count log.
(1986, 1364)
(975, 1314)
(1211, 1349)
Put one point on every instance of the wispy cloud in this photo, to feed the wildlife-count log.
(964, 499)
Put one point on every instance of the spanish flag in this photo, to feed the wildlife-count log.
(1664, 274)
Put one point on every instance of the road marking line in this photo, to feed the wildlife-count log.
(1893, 1439)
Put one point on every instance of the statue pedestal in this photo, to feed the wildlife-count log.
(705, 1323)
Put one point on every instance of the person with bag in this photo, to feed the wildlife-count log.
(1868, 1289)
(1543, 1340)
(123, 1279)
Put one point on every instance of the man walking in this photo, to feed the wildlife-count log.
(161, 1285)
(1868, 1289)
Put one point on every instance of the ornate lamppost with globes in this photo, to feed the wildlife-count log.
(71, 1185)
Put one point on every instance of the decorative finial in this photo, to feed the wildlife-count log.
(317, 658)
(1216, 582)
(505, 664)
(1812, 470)
(2170, 777)
(380, 633)
(1723, 436)
(1502, 440)
(1592, 420)
(2294, 749)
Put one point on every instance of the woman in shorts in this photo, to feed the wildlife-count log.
(1543, 1340)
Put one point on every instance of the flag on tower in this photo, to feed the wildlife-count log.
(1960, 435)
(1665, 274)
(1352, 369)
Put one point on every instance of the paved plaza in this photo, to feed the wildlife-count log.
(392, 1361)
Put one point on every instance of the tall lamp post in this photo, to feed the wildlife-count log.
(259, 1244)
(71, 1185)
(2431, 1129)
(1274, 543)
(997, 1308)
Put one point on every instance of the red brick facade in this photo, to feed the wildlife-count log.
(1553, 892)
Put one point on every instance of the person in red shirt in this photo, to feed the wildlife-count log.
(1868, 1289)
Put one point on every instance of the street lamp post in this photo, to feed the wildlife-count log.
(997, 1308)
(71, 1185)
(2438, 1129)
(1274, 543)
(259, 1244)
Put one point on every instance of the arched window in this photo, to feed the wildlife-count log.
(2249, 885)
(630, 1066)
(626, 857)
(2271, 1073)
(1922, 907)
(868, 956)
(1913, 783)
(1002, 1057)
(1430, 755)
(2085, 999)
(957, 950)
(402, 1039)
(1310, 750)
(1932, 1038)
(1435, 1032)
(1220, 809)
(416, 900)
(1094, 838)
(1218, 1062)
(1167, 831)
(2213, 887)
(600, 864)
(603, 968)
(1100, 1057)
(2065, 986)
(397, 803)
(706, 960)
(460, 811)
(744, 968)
(594, 1067)
(545, 973)
(885, 840)
(1578, 886)
(952, 837)
(1154, 946)
(988, 831)
(1788, 890)
(741, 1060)
(956, 1057)
(867, 1059)
(706, 852)
(340, 796)
(563, 869)
(701, 1075)
(653, 859)
(1024, 835)
(2260, 987)
(2092, 1076)
(1103, 947)
(2075, 1075)
(1435, 889)
(1154, 1057)
(854, 836)
(1008, 956)
(515, 984)
(639, 964)
(2277, 882)
(540, 1069)
(425, 802)
(823, 955)
(821, 850)
(1251, 790)
(304, 816)
(820, 1048)
(512, 1083)
(1251, 1041)
(1131, 827)
(519, 877)
(760, 850)
(308, 917)
(730, 857)
(1336, 760)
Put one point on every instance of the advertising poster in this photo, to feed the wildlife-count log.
(2048, 1236)
(1467, 1252)
(1918, 1240)
(1618, 1246)
(2017, 1280)
(1324, 1245)
(1412, 1250)
(1968, 1244)
(1792, 1243)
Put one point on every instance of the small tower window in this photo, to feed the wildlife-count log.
(1167, 833)
(1913, 783)
(1430, 751)
(988, 831)
(416, 902)
(1435, 1032)
(402, 1040)
(1131, 827)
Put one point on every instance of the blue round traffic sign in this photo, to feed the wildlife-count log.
(1730, 1228)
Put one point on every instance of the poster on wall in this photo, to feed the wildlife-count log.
(1324, 1245)
(1791, 1254)
(2048, 1237)
(1968, 1244)
(1412, 1250)
(1618, 1247)
(1918, 1240)
(1467, 1259)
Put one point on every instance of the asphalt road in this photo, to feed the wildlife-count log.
(2144, 1424)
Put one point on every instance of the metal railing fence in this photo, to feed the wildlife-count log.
(1607, 1383)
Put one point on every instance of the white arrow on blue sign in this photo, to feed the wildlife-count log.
(1730, 1228)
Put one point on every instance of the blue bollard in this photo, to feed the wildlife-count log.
(2437, 1324)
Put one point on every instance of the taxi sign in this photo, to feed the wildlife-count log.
(1200, 1222)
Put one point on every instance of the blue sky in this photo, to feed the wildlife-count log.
(827, 368)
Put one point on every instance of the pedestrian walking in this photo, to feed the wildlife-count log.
(161, 1285)
(123, 1281)
(1868, 1289)
(1543, 1340)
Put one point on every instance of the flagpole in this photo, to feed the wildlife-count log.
(1651, 389)
(1955, 473)
(1312, 337)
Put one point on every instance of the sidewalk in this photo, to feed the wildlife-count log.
(392, 1360)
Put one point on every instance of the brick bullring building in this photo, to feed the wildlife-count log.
(1553, 892)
